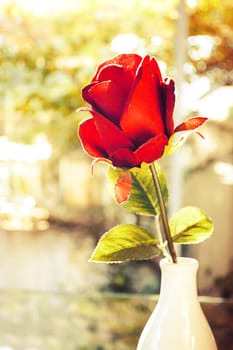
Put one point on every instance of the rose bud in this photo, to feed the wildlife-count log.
(131, 112)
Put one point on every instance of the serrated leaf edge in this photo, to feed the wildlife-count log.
(152, 243)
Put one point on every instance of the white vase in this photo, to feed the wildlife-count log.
(177, 321)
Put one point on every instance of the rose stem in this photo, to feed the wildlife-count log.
(162, 245)
(163, 213)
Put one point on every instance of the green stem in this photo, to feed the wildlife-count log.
(163, 213)
(161, 245)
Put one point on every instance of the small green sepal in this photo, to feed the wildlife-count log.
(141, 197)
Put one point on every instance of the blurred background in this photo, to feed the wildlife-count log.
(52, 210)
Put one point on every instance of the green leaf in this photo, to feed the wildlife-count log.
(143, 197)
(123, 243)
(190, 225)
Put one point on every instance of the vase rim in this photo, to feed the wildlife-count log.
(181, 261)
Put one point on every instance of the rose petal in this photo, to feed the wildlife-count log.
(110, 72)
(124, 158)
(108, 97)
(90, 139)
(152, 149)
(129, 62)
(112, 138)
(156, 69)
(85, 93)
(142, 117)
(190, 124)
(108, 94)
(105, 99)
(169, 92)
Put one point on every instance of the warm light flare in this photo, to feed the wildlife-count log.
(21, 152)
(43, 7)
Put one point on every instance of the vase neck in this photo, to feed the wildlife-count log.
(179, 280)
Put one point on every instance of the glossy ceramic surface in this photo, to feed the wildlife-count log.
(178, 321)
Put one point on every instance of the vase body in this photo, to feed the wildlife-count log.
(177, 321)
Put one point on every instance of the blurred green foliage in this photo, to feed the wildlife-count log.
(45, 61)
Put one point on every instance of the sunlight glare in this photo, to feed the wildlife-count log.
(200, 46)
(41, 150)
(45, 7)
(217, 104)
(125, 43)
(192, 3)
(225, 170)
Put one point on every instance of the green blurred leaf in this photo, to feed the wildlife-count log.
(123, 243)
(143, 198)
(190, 225)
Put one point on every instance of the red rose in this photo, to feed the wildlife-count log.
(132, 112)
